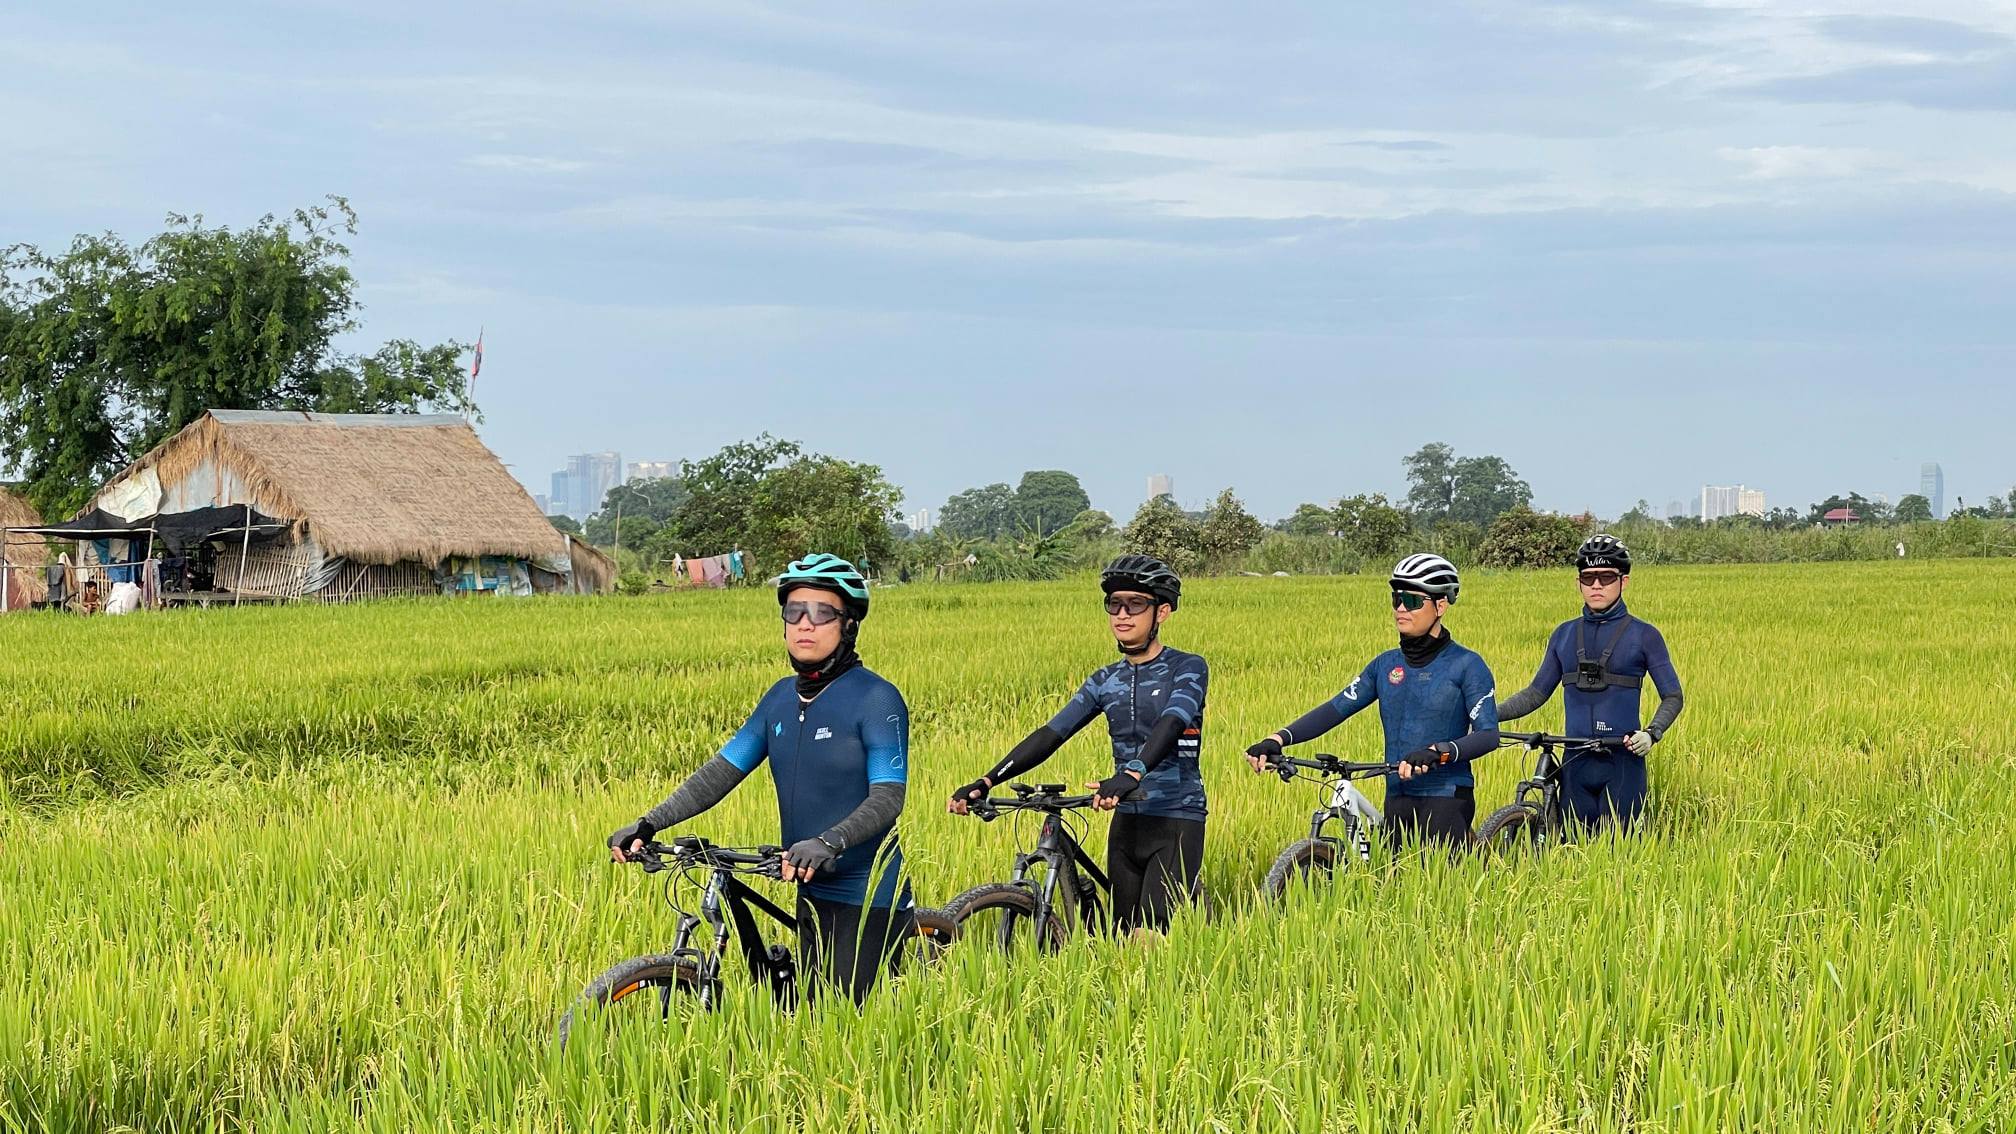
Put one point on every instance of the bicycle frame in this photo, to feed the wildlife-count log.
(1059, 850)
(1355, 811)
(728, 901)
(1548, 768)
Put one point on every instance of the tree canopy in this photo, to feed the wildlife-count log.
(106, 349)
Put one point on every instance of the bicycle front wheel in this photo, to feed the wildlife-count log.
(1005, 914)
(1309, 862)
(645, 988)
(932, 932)
(1516, 828)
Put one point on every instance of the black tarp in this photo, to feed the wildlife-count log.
(172, 531)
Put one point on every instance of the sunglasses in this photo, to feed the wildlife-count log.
(1599, 578)
(1410, 600)
(1132, 604)
(820, 613)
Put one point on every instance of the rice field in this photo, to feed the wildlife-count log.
(322, 869)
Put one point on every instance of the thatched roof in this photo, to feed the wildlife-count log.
(372, 488)
(593, 569)
(16, 512)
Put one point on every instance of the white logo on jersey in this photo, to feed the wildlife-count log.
(1479, 706)
(824, 733)
(1351, 691)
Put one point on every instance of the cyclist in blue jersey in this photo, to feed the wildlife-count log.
(1600, 661)
(1436, 705)
(1153, 702)
(837, 738)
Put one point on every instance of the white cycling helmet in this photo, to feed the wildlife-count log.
(1429, 574)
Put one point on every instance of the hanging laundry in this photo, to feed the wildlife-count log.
(735, 564)
(697, 568)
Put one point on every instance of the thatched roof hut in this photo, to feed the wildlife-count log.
(418, 497)
(23, 559)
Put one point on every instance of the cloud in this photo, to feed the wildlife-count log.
(1779, 162)
(1981, 84)
(525, 163)
(1914, 33)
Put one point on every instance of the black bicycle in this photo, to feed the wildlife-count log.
(1053, 887)
(693, 969)
(1537, 818)
(1320, 853)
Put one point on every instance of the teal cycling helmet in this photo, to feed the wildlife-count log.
(827, 573)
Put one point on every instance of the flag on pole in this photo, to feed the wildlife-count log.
(476, 366)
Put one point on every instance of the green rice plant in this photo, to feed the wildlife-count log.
(312, 869)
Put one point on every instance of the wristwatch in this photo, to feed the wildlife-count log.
(1135, 766)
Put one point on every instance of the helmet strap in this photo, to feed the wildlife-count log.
(1148, 643)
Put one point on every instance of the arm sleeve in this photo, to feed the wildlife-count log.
(1666, 679)
(877, 813)
(1034, 749)
(1535, 695)
(1363, 690)
(1161, 740)
(885, 736)
(702, 790)
(1082, 709)
(1480, 693)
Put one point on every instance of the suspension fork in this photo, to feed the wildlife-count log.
(709, 966)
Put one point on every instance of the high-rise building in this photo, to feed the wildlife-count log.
(1932, 486)
(1675, 509)
(558, 502)
(1161, 484)
(919, 521)
(590, 476)
(648, 470)
(1718, 501)
(539, 498)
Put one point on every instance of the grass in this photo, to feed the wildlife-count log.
(317, 869)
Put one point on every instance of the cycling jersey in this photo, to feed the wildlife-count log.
(823, 757)
(1627, 650)
(1448, 698)
(1133, 698)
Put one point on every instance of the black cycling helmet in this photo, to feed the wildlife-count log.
(1603, 551)
(1145, 574)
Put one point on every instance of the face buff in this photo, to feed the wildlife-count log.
(814, 676)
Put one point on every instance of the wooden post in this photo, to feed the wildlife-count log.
(244, 553)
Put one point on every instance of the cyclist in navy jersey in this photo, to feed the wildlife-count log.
(1436, 705)
(1600, 661)
(1153, 702)
(837, 739)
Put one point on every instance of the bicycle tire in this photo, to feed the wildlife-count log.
(1017, 907)
(626, 980)
(931, 934)
(1515, 828)
(1298, 863)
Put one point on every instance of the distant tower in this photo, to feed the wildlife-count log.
(1160, 484)
(1932, 486)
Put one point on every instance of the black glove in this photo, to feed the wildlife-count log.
(968, 793)
(1267, 751)
(624, 836)
(1425, 757)
(1119, 785)
(811, 854)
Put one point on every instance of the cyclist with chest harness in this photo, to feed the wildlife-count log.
(1436, 707)
(1153, 702)
(1600, 661)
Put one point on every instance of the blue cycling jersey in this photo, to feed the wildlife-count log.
(1450, 697)
(1133, 698)
(823, 756)
(1624, 646)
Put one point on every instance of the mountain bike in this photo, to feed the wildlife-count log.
(691, 971)
(1053, 887)
(1537, 818)
(1320, 853)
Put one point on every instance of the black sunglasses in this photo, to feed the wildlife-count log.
(1132, 604)
(1598, 578)
(820, 613)
(1410, 600)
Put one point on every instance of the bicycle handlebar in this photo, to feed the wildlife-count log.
(1285, 765)
(689, 850)
(1549, 740)
(1027, 797)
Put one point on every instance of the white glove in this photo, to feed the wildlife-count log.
(1638, 743)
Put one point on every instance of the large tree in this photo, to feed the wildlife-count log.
(1369, 525)
(1049, 499)
(820, 503)
(1914, 509)
(979, 513)
(1228, 529)
(1473, 490)
(650, 501)
(720, 489)
(1162, 530)
(106, 348)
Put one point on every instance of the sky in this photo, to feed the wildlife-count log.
(1631, 248)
